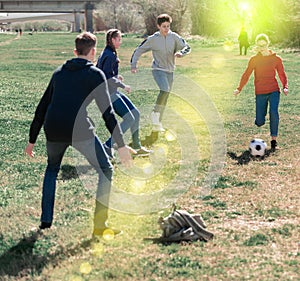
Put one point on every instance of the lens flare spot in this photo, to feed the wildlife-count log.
(97, 250)
(108, 234)
(85, 268)
(148, 169)
(137, 185)
(218, 61)
(170, 136)
(161, 150)
(228, 45)
(244, 6)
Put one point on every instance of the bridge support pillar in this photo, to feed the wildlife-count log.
(89, 7)
(76, 27)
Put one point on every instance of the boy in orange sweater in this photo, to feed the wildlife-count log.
(265, 64)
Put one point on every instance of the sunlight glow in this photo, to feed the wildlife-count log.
(161, 150)
(170, 136)
(148, 169)
(228, 45)
(244, 6)
(108, 234)
(218, 61)
(97, 249)
(137, 185)
(85, 268)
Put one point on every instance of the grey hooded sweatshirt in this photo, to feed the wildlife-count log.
(163, 50)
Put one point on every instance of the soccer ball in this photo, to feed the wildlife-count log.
(257, 147)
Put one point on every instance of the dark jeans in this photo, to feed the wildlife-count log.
(245, 49)
(164, 80)
(93, 150)
(262, 102)
(131, 118)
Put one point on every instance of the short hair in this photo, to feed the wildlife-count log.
(263, 37)
(84, 42)
(163, 18)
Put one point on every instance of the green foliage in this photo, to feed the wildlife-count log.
(257, 239)
(42, 25)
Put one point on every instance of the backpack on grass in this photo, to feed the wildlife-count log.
(182, 226)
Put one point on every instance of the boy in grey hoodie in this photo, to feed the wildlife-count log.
(165, 46)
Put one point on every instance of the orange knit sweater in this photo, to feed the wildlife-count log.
(265, 68)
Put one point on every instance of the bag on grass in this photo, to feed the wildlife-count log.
(182, 226)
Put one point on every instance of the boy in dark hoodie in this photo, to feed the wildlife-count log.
(62, 111)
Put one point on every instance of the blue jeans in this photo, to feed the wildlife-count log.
(164, 80)
(262, 102)
(94, 152)
(131, 118)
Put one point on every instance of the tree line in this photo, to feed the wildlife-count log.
(280, 19)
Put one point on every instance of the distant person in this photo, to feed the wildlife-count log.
(243, 41)
(265, 64)
(165, 46)
(108, 62)
(62, 111)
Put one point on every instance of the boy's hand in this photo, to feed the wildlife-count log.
(178, 55)
(286, 91)
(236, 92)
(29, 149)
(127, 89)
(125, 155)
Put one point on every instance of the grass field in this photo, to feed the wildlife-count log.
(253, 208)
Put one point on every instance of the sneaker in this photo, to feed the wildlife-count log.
(45, 225)
(142, 151)
(158, 128)
(156, 124)
(155, 118)
(109, 151)
(107, 231)
(273, 145)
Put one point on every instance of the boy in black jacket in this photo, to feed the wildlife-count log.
(63, 112)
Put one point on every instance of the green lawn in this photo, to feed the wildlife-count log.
(201, 164)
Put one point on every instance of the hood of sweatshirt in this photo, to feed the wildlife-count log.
(271, 53)
(77, 64)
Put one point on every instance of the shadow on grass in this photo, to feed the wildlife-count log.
(165, 242)
(246, 157)
(23, 261)
(161, 241)
(149, 140)
(20, 259)
(68, 172)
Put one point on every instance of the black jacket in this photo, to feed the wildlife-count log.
(108, 62)
(63, 108)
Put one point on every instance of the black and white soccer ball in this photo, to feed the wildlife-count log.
(257, 147)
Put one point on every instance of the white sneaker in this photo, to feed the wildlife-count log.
(158, 128)
(156, 124)
(155, 118)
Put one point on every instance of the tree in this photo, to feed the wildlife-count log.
(150, 9)
(118, 14)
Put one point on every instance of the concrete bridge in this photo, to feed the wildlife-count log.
(76, 7)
